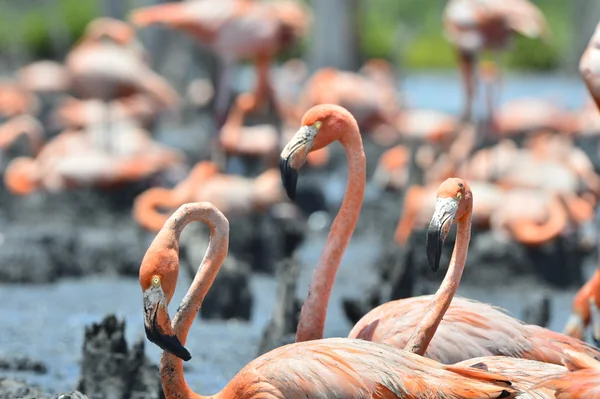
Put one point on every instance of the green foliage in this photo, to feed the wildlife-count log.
(430, 51)
(409, 31)
(424, 45)
(30, 27)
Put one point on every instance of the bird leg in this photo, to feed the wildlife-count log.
(467, 67)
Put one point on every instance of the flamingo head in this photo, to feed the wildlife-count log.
(158, 277)
(454, 202)
(320, 126)
(20, 176)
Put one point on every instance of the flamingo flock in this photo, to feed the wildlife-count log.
(520, 175)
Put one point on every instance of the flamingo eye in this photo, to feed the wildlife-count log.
(318, 125)
(155, 282)
(459, 196)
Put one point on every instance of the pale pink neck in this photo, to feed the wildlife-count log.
(312, 317)
(171, 367)
(423, 334)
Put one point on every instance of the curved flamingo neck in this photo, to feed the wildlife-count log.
(423, 334)
(171, 367)
(145, 207)
(529, 232)
(311, 324)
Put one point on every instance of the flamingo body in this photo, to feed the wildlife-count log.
(347, 368)
(466, 331)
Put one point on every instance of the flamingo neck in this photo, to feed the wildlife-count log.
(529, 232)
(423, 334)
(231, 127)
(145, 208)
(311, 324)
(171, 367)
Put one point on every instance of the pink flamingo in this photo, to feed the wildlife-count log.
(466, 324)
(45, 77)
(473, 26)
(581, 314)
(327, 368)
(234, 30)
(589, 66)
(235, 195)
(22, 125)
(582, 380)
(72, 160)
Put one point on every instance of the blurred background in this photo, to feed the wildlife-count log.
(111, 119)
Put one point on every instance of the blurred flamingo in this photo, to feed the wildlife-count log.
(22, 125)
(45, 77)
(391, 172)
(72, 160)
(15, 99)
(589, 66)
(370, 96)
(108, 62)
(75, 113)
(327, 368)
(581, 313)
(254, 141)
(473, 26)
(234, 30)
(235, 195)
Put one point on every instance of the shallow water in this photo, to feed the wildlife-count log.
(47, 322)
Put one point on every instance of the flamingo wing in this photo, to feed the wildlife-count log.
(582, 381)
(347, 368)
(523, 373)
(469, 329)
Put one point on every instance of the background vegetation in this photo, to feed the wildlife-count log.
(409, 32)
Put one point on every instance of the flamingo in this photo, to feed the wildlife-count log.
(235, 195)
(476, 25)
(71, 160)
(75, 113)
(22, 125)
(45, 77)
(234, 30)
(582, 380)
(465, 325)
(327, 368)
(370, 96)
(581, 313)
(589, 66)
(108, 62)
(15, 99)
(255, 141)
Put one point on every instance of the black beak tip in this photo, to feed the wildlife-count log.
(289, 178)
(169, 343)
(433, 244)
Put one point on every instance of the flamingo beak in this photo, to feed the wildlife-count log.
(439, 227)
(293, 157)
(157, 324)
